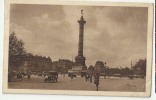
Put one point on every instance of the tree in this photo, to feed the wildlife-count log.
(16, 46)
(91, 68)
(17, 51)
(140, 67)
(126, 71)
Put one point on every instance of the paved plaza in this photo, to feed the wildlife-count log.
(65, 83)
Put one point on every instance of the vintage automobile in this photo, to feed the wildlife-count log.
(52, 76)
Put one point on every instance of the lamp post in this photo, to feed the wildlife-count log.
(105, 67)
(108, 71)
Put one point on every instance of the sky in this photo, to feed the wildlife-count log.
(115, 35)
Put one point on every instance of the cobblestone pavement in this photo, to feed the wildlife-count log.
(65, 83)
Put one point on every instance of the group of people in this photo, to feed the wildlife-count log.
(89, 77)
(18, 75)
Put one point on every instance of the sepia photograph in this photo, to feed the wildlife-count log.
(155, 59)
(78, 48)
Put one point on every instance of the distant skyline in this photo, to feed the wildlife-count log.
(115, 35)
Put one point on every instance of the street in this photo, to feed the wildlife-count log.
(65, 83)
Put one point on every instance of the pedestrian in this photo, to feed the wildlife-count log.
(96, 81)
(90, 78)
(86, 77)
(71, 77)
(28, 75)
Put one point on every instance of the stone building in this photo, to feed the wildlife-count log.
(62, 65)
(99, 67)
(37, 63)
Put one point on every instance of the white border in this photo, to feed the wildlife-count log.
(41, 2)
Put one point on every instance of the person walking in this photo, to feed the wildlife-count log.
(90, 77)
(28, 75)
(71, 77)
(86, 77)
(96, 81)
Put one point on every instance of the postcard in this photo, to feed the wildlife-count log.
(78, 48)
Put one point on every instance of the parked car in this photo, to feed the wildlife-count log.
(51, 77)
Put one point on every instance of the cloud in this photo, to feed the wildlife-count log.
(27, 36)
(46, 21)
(116, 35)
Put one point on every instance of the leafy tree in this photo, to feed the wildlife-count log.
(126, 71)
(16, 46)
(17, 51)
(91, 68)
(140, 67)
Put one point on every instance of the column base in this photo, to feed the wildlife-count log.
(80, 61)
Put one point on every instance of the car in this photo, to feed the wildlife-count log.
(51, 77)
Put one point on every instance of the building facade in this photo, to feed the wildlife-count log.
(62, 65)
(99, 67)
(37, 63)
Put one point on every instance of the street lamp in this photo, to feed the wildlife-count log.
(108, 71)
